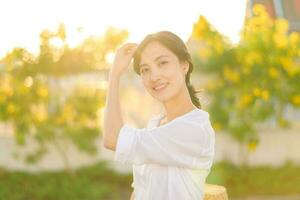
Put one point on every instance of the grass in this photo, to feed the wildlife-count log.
(264, 180)
(98, 182)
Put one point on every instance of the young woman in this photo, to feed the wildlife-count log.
(173, 155)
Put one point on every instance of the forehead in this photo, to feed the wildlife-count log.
(153, 50)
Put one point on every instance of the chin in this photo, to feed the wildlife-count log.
(163, 97)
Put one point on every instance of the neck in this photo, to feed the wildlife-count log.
(179, 105)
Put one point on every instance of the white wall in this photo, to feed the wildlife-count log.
(276, 147)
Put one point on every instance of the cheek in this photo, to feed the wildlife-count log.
(177, 80)
(173, 75)
(146, 84)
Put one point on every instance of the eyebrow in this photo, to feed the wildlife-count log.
(141, 65)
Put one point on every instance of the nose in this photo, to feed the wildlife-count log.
(155, 75)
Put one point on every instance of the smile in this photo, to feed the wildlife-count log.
(160, 87)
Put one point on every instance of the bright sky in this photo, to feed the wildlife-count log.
(22, 21)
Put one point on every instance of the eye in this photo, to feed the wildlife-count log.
(144, 70)
(163, 62)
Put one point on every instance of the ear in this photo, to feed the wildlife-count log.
(185, 66)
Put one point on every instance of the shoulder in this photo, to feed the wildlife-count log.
(198, 116)
(196, 113)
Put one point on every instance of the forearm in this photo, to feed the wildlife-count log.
(112, 113)
(132, 196)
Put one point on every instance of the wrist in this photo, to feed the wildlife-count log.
(114, 75)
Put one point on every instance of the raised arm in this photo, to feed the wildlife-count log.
(132, 196)
(112, 112)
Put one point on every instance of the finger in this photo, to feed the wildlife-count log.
(124, 47)
(130, 49)
(130, 45)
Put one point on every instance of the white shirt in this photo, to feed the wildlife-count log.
(171, 161)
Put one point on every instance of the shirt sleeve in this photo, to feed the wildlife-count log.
(182, 142)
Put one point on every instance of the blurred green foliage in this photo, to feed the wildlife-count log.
(100, 182)
(256, 181)
(32, 100)
(93, 183)
(252, 81)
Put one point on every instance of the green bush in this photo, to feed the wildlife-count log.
(252, 181)
(88, 183)
(98, 182)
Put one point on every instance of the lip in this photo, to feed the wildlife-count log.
(160, 89)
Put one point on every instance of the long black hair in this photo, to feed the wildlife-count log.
(178, 47)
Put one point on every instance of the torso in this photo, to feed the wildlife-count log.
(156, 179)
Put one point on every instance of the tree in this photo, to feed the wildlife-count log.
(29, 103)
(254, 80)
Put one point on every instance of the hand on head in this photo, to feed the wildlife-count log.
(123, 58)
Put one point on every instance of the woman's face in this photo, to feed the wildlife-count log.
(162, 73)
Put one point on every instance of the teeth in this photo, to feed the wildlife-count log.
(160, 86)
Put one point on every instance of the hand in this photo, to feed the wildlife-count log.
(123, 58)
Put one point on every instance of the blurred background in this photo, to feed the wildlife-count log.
(54, 62)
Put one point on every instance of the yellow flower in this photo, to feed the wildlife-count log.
(282, 25)
(280, 40)
(28, 81)
(285, 62)
(293, 70)
(200, 27)
(41, 117)
(265, 94)
(83, 119)
(11, 108)
(289, 66)
(24, 89)
(273, 72)
(218, 46)
(7, 90)
(296, 99)
(252, 146)
(230, 74)
(294, 37)
(256, 92)
(258, 9)
(40, 112)
(42, 92)
(59, 120)
(217, 126)
(244, 101)
(68, 112)
(253, 57)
